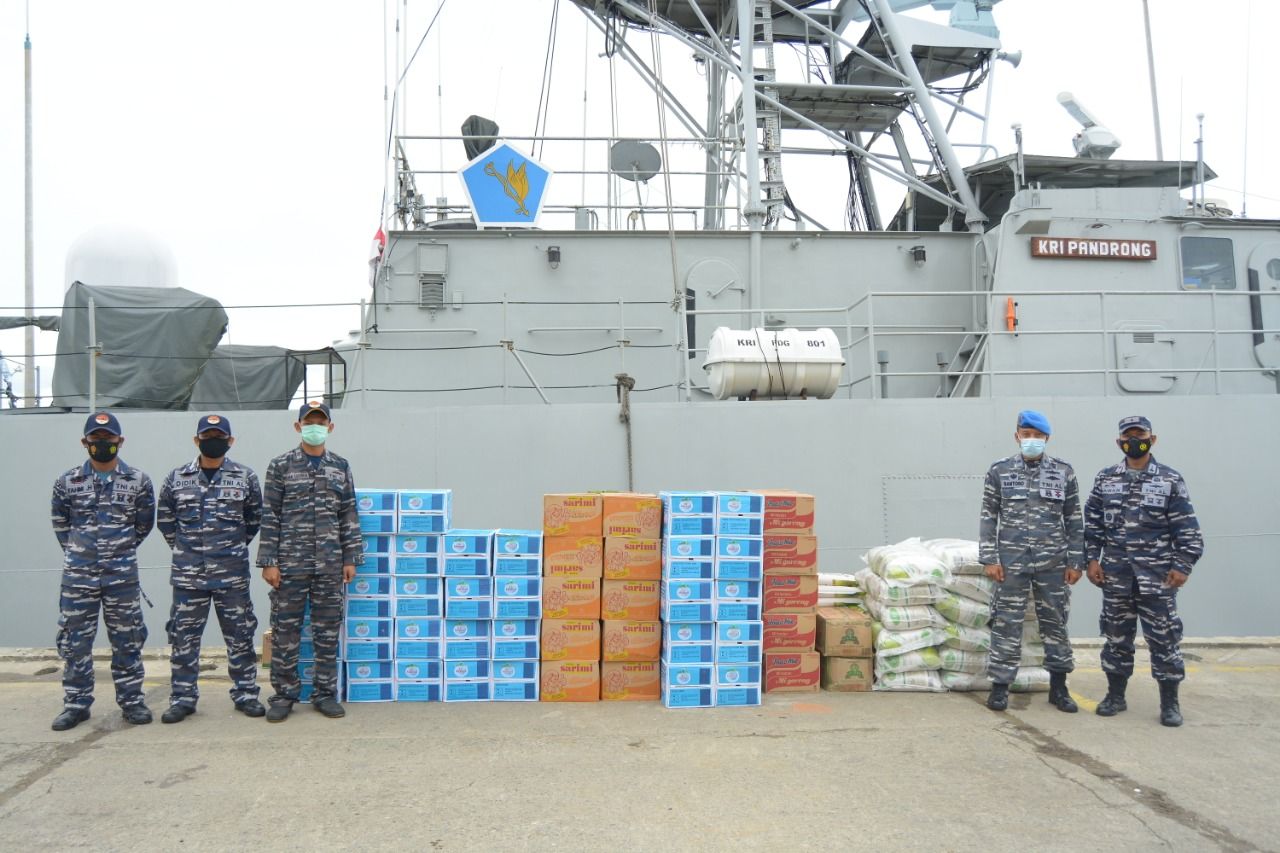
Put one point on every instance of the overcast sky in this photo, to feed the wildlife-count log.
(249, 136)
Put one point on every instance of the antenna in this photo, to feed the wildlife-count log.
(1095, 142)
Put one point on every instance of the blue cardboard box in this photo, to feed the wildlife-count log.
(468, 608)
(418, 629)
(689, 547)
(368, 629)
(515, 650)
(467, 629)
(407, 565)
(420, 607)
(369, 670)
(468, 587)
(423, 522)
(467, 691)
(687, 570)
(369, 585)
(517, 587)
(739, 503)
(739, 546)
(737, 611)
(681, 611)
(416, 544)
(307, 650)
(738, 653)
(737, 590)
(376, 543)
(467, 670)
(514, 691)
(414, 501)
(687, 591)
(368, 608)
(690, 525)
(377, 523)
(688, 632)
(374, 565)
(366, 650)
(688, 653)
(467, 650)
(687, 503)
(470, 566)
(418, 670)
(474, 542)
(410, 586)
(516, 566)
(380, 501)
(515, 670)
(688, 697)
(527, 543)
(739, 568)
(371, 691)
(516, 629)
(740, 632)
(740, 525)
(737, 674)
(419, 650)
(517, 608)
(418, 691)
(728, 697)
(688, 675)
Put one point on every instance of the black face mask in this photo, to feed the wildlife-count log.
(103, 450)
(1135, 448)
(214, 448)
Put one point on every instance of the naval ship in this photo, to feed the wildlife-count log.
(531, 338)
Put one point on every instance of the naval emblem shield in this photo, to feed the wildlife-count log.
(506, 187)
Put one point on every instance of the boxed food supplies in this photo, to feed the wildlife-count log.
(418, 629)
(570, 639)
(517, 587)
(688, 675)
(517, 543)
(504, 566)
(738, 653)
(508, 690)
(736, 611)
(742, 631)
(416, 670)
(403, 564)
(686, 611)
(677, 504)
(368, 608)
(787, 512)
(570, 681)
(468, 608)
(467, 650)
(419, 606)
(847, 675)
(676, 569)
(739, 525)
(737, 590)
(466, 565)
(423, 522)
(377, 523)
(415, 544)
(688, 632)
(790, 593)
(573, 515)
(413, 501)
(376, 543)
(515, 629)
(419, 650)
(571, 597)
(632, 559)
(375, 565)
(370, 585)
(368, 629)
(792, 672)
(687, 591)
(517, 608)
(739, 503)
(790, 553)
(631, 516)
(411, 586)
(376, 501)
(509, 650)
(418, 691)
(690, 525)
(688, 697)
(416, 554)
(515, 670)
(739, 568)
(689, 653)
(729, 697)
(630, 681)
(475, 543)
(364, 650)
(468, 587)
(573, 556)
(467, 670)
(844, 632)
(478, 690)
(467, 629)
(632, 640)
(371, 691)
(689, 547)
(739, 546)
(737, 674)
(370, 670)
(789, 632)
(636, 600)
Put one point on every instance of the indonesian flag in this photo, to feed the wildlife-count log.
(375, 255)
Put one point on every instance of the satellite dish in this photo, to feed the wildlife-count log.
(634, 160)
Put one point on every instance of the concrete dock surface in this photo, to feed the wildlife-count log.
(819, 771)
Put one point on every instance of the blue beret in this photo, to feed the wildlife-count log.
(1034, 420)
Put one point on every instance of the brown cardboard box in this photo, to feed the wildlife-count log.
(790, 593)
(790, 554)
(630, 599)
(266, 648)
(634, 559)
(632, 516)
(846, 675)
(792, 672)
(844, 632)
(573, 515)
(570, 639)
(572, 556)
(787, 512)
(789, 632)
(571, 598)
(570, 681)
(628, 640)
(632, 681)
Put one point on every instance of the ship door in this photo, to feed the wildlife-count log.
(1144, 347)
(1264, 310)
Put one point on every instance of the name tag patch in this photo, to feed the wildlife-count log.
(1154, 500)
(1111, 488)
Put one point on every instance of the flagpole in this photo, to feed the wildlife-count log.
(29, 357)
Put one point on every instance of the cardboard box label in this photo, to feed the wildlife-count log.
(522, 543)
(514, 691)
(411, 586)
(688, 675)
(468, 587)
(739, 503)
(739, 568)
(416, 670)
(632, 640)
(788, 512)
(424, 500)
(737, 674)
(792, 672)
(573, 556)
(515, 670)
(847, 675)
(369, 585)
(632, 516)
(690, 525)
(571, 597)
(516, 650)
(412, 650)
(570, 640)
(689, 653)
(573, 515)
(516, 566)
(789, 632)
(688, 697)
(367, 670)
(673, 569)
(844, 632)
(436, 522)
(790, 553)
(418, 691)
(790, 593)
(476, 543)
(571, 681)
(515, 629)
(380, 501)
(418, 607)
(688, 503)
(632, 681)
(418, 629)
(415, 544)
(689, 547)
(636, 600)
(368, 608)
(746, 631)
(517, 608)
(632, 559)
(517, 587)
(466, 669)
(729, 697)
(739, 653)
(737, 590)
(467, 566)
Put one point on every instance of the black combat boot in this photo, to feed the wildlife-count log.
(1059, 696)
(1170, 713)
(1113, 703)
(998, 698)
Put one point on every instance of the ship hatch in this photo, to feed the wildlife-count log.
(1142, 347)
(1264, 310)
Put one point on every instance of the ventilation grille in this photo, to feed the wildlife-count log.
(430, 291)
(1144, 337)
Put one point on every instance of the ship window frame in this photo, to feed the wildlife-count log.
(1205, 253)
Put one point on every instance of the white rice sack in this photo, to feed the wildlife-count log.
(897, 618)
(1030, 679)
(844, 579)
(889, 642)
(920, 680)
(919, 659)
(906, 561)
(964, 611)
(960, 556)
(1032, 654)
(959, 660)
(964, 681)
(978, 587)
(967, 639)
(897, 592)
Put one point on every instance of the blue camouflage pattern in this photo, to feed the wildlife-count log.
(1031, 524)
(99, 522)
(210, 523)
(187, 618)
(316, 505)
(324, 591)
(1140, 526)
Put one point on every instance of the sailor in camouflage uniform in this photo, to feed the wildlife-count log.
(1031, 543)
(310, 547)
(101, 511)
(209, 511)
(1142, 540)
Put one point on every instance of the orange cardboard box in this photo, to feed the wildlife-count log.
(789, 632)
(632, 516)
(790, 593)
(631, 681)
(571, 681)
(635, 559)
(572, 515)
(572, 556)
(790, 553)
(629, 640)
(571, 598)
(570, 639)
(787, 512)
(629, 599)
(792, 672)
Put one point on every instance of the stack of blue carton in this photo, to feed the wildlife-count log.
(712, 572)
(492, 607)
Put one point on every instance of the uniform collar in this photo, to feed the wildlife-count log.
(1045, 459)
(1153, 468)
(193, 467)
(301, 455)
(121, 470)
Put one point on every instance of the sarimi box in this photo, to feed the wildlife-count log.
(630, 599)
(570, 639)
(631, 516)
(573, 556)
(790, 593)
(571, 681)
(371, 691)
(571, 597)
(790, 553)
(632, 640)
(573, 515)
(794, 632)
(630, 681)
(632, 559)
(792, 672)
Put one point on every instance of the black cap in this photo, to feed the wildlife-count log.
(313, 406)
(102, 421)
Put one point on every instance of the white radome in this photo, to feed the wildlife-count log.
(120, 256)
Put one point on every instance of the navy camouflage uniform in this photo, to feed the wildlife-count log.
(309, 530)
(209, 523)
(99, 522)
(1032, 526)
(1139, 523)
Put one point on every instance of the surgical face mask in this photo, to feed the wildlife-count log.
(103, 450)
(315, 434)
(214, 448)
(1135, 448)
(1032, 448)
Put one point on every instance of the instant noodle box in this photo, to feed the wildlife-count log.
(792, 632)
(790, 553)
(792, 672)
(570, 639)
(632, 559)
(631, 516)
(844, 632)
(630, 599)
(573, 515)
(787, 512)
(790, 593)
(630, 681)
(571, 597)
(573, 556)
(632, 640)
(570, 681)
(847, 675)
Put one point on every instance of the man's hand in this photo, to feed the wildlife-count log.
(271, 574)
(1071, 576)
(995, 571)
(1095, 573)
(348, 572)
(1175, 579)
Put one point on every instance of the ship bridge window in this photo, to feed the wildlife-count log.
(1273, 269)
(1208, 263)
